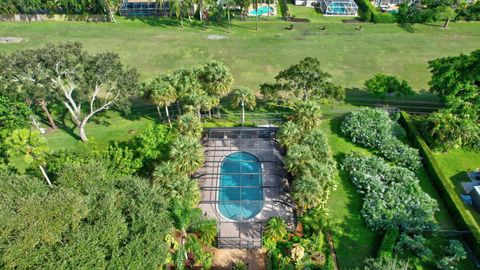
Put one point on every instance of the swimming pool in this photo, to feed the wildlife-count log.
(241, 195)
(261, 11)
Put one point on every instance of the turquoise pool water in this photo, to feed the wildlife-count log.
(261, 11)
(240, 196)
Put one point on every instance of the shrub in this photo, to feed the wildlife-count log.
(454, 254)
(415, 244)
(393, 197)
(382, 17)
(388, 243)
(239, 265)
(373, 128)
(382, 85)
(384, 263)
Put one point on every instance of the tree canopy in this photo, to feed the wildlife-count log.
(303, 81)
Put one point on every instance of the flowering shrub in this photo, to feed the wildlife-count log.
(393, 197)
(373, 128)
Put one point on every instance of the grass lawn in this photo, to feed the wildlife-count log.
(159, 45)
(456, 164)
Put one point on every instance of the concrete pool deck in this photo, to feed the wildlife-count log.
(277, 202)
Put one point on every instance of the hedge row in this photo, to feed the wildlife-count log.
(456, 208)
(388, 243)
(369, 13)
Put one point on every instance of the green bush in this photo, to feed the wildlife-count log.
(392, 197)
(456, 208)
(368, 12)
(375, 129)
(388, 243)
(382, 17)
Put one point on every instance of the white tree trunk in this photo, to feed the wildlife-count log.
(168, 116)
(243, 113)
(81, 127)
(45, 176)
(159, 113)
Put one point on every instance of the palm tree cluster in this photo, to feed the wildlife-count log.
(199, 88)
(192, 230)
(309, 158)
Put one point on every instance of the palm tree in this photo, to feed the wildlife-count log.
(275, 229)
(32, 146)
(188, 154)
(187, 219)
(161, 91)
(318, 142)
(307, 193)
(308, 115)
(177, 186)
(189, 125)
(298, 158)
(243, 97)
(289, 134)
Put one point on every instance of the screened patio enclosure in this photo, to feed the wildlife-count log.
(339, 7)
(144, 8)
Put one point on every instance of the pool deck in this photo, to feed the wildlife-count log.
(277, 202)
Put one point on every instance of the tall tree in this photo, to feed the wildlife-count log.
(161, 91)
(25, 77)
(243, 97)
(216, 80)
(32, 146)
(305, 80)
(97, 81)
(308, 115)
(189, 155)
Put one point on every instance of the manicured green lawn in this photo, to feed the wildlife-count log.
(456, 164)
(159, 45)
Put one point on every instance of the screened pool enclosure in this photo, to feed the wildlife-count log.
(339, 7)
(142, 8)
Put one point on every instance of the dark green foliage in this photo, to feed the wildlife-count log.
(456, 80)
(46, 6)
(388, 243)
(94, 218)
(383, 17)
(303, 81)
(393, 197)
(469, 12)
(369, 13)
(382, 85)
(415, 244)
(462, 218)
(455, 252)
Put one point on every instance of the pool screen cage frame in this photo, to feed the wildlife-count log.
(144, 8)
(219, 143)
(349, 6)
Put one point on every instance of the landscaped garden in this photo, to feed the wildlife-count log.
(100, 139)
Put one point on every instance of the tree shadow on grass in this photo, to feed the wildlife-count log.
(156, 21)
(407, 27)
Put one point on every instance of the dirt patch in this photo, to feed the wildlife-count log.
(223, 258)
(10, 40)
(216, 37)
